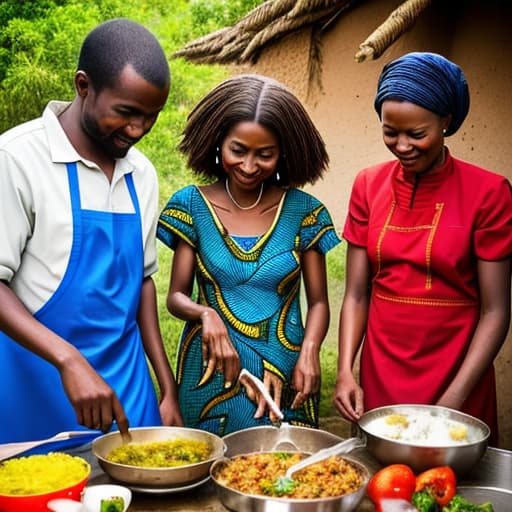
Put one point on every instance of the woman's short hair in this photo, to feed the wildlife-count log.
(109, 47)
(248, 97)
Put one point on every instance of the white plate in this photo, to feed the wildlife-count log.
(167, 490)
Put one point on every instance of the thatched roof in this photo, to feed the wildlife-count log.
(274, 19)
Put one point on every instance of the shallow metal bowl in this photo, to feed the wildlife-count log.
(157, 477)
(242, 502)
(461, 457)
(285, 437)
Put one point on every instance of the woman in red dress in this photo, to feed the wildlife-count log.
(429, 257)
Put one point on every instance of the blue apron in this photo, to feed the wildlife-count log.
(95, 309)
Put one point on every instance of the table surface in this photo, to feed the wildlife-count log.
(494, 470)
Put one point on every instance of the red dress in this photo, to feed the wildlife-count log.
(423, 246)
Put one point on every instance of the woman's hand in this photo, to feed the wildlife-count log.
(273, 385)
(348, 397)
(219, 354)
(170, 411)
(306, 377)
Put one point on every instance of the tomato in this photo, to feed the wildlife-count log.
(396, 481)
(440, 481)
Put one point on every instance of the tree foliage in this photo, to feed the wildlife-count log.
(40, 41)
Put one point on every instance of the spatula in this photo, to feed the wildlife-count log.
(285, 484)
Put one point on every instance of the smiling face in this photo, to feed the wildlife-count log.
(250, 154)
(115, 118)
(413, 134)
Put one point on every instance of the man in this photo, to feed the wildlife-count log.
(78, 212)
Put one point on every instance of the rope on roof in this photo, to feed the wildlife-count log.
(280, 27)
(398, 22)
(268, 22)
(274, 19)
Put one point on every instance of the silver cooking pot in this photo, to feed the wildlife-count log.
(242, 502)
(286, 438)
(155, 478)
(462, 457)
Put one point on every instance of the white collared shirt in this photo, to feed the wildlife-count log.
(36, 224)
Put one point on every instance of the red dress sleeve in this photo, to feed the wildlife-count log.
(355, 230)
(493, 230)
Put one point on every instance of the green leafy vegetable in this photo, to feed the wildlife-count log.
(425, 502)
(113, 504)
(460, 504)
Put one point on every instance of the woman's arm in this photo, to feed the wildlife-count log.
(348, 396)
(218, 351)
(306, 377)
(154, 348)
(490, 332)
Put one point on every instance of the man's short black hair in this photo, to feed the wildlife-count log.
(112, 45)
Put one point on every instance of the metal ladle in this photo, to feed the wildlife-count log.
(284, 441)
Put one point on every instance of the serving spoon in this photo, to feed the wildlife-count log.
(284, 441)
(11, 449)
(285, 484)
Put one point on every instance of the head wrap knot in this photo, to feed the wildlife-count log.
(428, 80)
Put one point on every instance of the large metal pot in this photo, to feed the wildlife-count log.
(284, 437)
(461, 457)
(157, 477)
(243, 502)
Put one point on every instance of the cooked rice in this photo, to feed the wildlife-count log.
(257, 474)
(421, 428)
(40, 474)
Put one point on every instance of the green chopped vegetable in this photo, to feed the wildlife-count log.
(113, 504)
(460, 504)
(425, 502)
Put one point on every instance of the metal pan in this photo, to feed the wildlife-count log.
(242, 502)
(157, 477)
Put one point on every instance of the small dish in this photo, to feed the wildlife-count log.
(93, 495)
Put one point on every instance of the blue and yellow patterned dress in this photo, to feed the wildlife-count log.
(256, 291)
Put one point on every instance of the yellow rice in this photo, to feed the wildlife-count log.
(41, 474)
(162, 454)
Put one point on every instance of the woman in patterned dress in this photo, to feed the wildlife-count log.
(429, 256)
(242, 246)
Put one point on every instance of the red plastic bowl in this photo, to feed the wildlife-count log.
(38, 502)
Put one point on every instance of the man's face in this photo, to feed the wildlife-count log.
(117, 117)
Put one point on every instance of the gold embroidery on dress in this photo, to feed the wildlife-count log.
(426, 302)
(406, 229)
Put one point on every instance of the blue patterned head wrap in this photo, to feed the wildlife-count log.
(428, 80)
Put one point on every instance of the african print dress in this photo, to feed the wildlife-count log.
(256, 291)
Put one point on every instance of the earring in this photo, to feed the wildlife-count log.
(277, 176)
(444, 131)
(217, 153)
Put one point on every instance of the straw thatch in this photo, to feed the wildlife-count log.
(274, 19)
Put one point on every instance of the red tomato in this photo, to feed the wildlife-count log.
(440, 481)
(395, 481)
